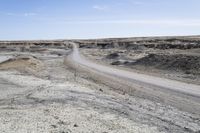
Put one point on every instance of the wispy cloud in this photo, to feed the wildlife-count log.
(10, 14)
(100, 8)
(138, 3)
(148, 3)
(177, 22)
(29, 14)
(21, 14)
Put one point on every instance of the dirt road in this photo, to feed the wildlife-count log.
(183, 95)
(141, 78)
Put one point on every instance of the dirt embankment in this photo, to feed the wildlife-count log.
(22, 63)
(141, 43)
(32, 46)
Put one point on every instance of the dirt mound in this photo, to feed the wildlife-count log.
(186, 63)
(22, 63)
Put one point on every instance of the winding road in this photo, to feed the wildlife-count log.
(140, 79)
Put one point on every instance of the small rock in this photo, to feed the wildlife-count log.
(75, 125)
(56, 117)
(54, 126)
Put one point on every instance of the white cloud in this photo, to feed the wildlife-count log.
(29, 14)
(21, 14)
(186, 22)
(100, 8)
(10, 14)
(148, 3)
(138, 3)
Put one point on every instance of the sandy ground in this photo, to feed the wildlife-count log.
(58, 100)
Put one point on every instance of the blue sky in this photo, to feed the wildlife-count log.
(65, 19)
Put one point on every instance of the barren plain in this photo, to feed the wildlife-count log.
(42, 88)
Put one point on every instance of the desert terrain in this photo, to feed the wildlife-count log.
(54, 86)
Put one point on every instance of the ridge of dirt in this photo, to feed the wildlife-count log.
(22, 63)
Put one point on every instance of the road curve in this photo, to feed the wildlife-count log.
(161, 83)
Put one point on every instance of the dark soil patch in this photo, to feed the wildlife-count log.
(112, 56)
(186, 63)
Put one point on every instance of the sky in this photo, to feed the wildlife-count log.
(84, 19)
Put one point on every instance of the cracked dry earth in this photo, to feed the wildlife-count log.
(51, 100)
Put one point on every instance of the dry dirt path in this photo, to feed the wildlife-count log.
(183, 95)
(144, 79)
